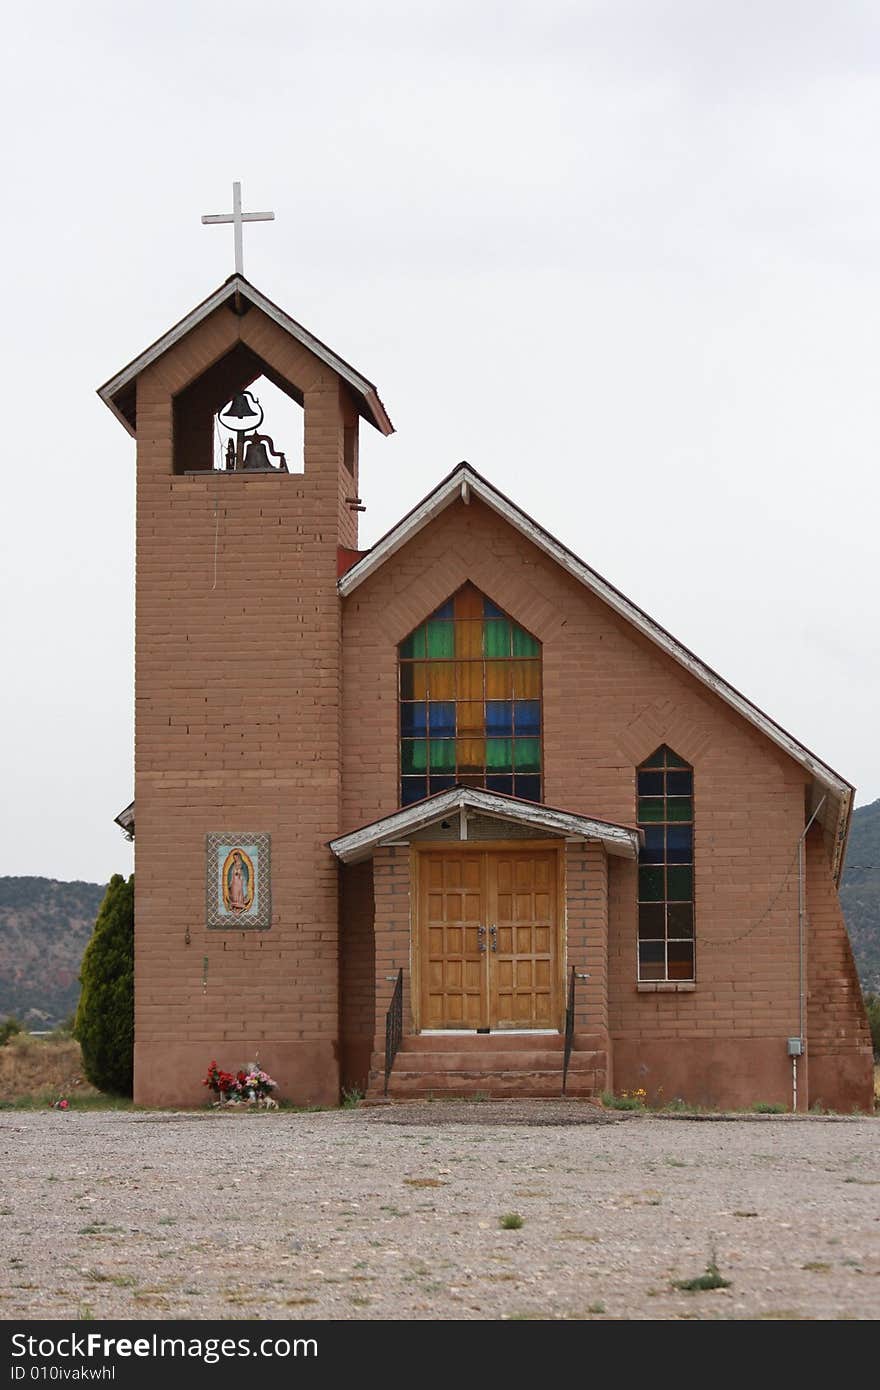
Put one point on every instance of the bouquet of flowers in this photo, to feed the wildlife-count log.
(249, 1084)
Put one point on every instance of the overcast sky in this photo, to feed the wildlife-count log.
(623, 257)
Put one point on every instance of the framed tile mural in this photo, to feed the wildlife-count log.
(239, 889)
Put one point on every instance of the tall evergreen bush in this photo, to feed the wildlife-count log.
(104, 1024)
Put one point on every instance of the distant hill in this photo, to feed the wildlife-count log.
(860, 893)
(44, 927)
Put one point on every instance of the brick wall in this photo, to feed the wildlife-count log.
(839, 1054)
(392, 899)
(586, 932)
(237, 728)
(610, 698)
(357, 984)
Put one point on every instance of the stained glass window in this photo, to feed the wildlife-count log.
(665, 786)
(470, 702)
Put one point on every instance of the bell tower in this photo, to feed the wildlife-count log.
(237, 687)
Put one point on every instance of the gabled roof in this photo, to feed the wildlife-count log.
(360, 844)
(465, 482)
(118, 392)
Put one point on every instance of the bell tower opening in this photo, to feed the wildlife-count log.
(240, 415)
(254, 444)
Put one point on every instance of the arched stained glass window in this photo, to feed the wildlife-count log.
(470, 702)
(666, 867)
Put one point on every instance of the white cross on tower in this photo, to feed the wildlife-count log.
(237, 217)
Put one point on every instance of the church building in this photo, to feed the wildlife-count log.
(449, 815)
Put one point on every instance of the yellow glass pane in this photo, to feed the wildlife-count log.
(469, 680)
(441, 680)
(469, 639)
(469, 717)
(414, 680)
(498, 679)
(471, 754)
(468, 603)
(526, 680)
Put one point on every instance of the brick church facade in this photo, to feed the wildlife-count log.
(450, 815)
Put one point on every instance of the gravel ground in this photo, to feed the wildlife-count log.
(396, 1213)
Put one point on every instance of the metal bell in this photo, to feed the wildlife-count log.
(257, 455)
(242, 407)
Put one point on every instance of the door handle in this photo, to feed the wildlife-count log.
(481, 939)
(493, 932)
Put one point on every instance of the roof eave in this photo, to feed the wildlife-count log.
(372, 408)
(462, 481)
(361, 844)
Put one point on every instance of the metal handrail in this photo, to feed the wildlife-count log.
(393, 1027)
(569, 1021)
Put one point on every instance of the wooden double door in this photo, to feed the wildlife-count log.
(488, 938)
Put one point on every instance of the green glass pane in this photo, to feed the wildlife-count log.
(442, 754)
(680, 883)
(499, 754)
(679, 808)
(656, 759)
(496, 638)
(650, 808)
(673, 760)
(527, 755)
(650, 883)
(524, 644)
(441, 639)
(414, 645)
(413, 755)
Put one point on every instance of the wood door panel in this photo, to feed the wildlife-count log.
(453, 969)
(523, 968)
(515, 984)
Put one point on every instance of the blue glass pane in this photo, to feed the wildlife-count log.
(650, 784)
(442, 716)
(529, 788)
(444, 612)
(527, 716)
(679, 783)
(652, 852)
(412, 721)
(441, 784)
(412, 789)
(491, 610)
(679, 844)
(499, 718)
(496, 783)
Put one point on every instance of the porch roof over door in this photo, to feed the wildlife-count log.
(458, 801)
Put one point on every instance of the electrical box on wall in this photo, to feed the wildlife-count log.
(795, 1047)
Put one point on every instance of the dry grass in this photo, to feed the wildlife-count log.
(41, 1068)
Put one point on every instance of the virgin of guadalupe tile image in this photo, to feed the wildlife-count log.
(238, 884)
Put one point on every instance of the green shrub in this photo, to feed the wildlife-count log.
(511, 1221)
(104, 1025)
(8, 1029)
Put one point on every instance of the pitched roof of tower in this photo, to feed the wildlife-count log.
(119, 392)
(464, 482)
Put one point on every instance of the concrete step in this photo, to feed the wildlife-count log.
(533, 1059)
(492, 1084)
(482, 1042)
(497, 1042)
